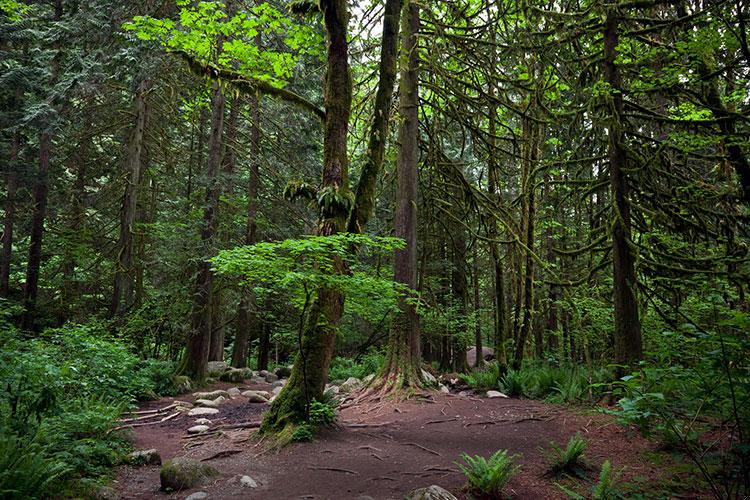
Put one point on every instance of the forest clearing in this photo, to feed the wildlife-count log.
(378, 249)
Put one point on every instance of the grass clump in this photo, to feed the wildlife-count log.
(568, 460)
(486, 477)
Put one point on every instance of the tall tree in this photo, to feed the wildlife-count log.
(310, 372)
(401, 367)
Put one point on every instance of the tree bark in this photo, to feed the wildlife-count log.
(479, 360)
(310, 372)
(122, 295)
(628, 342)
(365, 197)
(200, 336)
(247, 314)
(403, 357)
(11, 183)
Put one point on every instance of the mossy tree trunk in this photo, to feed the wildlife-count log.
(310, 372)
(401, 369)
(628, 342)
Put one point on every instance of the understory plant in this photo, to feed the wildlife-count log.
(568, 460)
(486, 477)
(605, 489)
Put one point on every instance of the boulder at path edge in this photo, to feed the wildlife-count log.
(184, 473)
(433, 492)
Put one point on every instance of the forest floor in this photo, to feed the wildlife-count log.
(384, 450)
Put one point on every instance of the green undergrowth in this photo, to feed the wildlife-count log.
(61, 393)
(343, 368)
(556, 384)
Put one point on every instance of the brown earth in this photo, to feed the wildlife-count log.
(384, 450)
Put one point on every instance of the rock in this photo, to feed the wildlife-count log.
(433, 492)
(216, 368)
(350, 385)
(198, 495)
(364, 497)
(197, 429)
(488, 353)
(271, 378)
(279, 383)
(429, 378)
(368, 379)
(206, 403)
(464, 394)
(276, 391)
(182, 384)
(234, 392)
(220, 400)
(203, 421)
(104, 493)
(257, 380)
(333, 390)
(283, 371)
(256, 396)
(144, 457)
(248, 482)
(444, 389)
(495, 394)
(198, 412)
(233, 375)
(263, 373)
(211, 395)
(184, 473)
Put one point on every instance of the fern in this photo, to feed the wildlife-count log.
(25, 471)
(569, 460)
(489, 476)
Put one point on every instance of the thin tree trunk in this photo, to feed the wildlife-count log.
(479, 361)
(247, 314)
(529, 160)
(122, 295)
(365, 197)
(11, 183)
(200, 337)
(628, 342)
(41, 189)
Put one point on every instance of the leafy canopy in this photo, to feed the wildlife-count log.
(301, 266)
(208, 34)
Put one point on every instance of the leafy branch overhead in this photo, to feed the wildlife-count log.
(300, 266)
(231, 48)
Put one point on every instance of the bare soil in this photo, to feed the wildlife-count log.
(384, 450)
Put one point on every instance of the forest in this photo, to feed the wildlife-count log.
(360, 249)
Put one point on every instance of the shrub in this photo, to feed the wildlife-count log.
(605, 489)
(569, 460)
(513, 383)
(484, 379)
(322, 413)
(25, 470)
(343, 368)
(487, 477)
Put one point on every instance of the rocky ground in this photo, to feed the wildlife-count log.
(379, 450)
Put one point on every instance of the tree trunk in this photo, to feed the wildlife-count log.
(247, 314)
(460, 294)
(479, 361)
(628, 342)
(200, 336)
(365, 197)
(403, 357)
(41, 188)
(310, 372)
(531, 134)
(122, 295)
(11, 180)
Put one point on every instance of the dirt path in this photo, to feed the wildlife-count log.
(385, 450)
